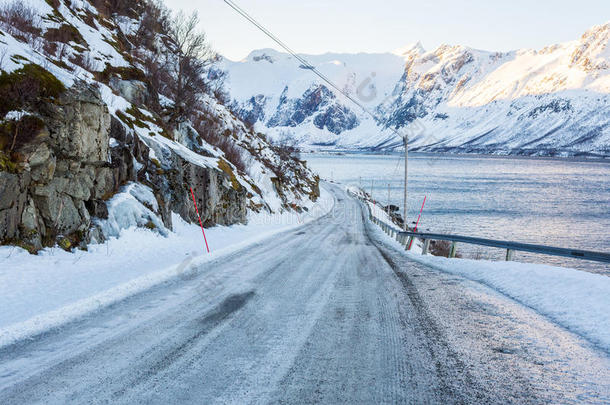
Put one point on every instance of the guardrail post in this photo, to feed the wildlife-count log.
(424, 250)
(409, 242)
(453, 250)
(509, 255)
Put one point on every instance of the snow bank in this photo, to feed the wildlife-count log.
(381, 214)
(38, 293)
(576, 300)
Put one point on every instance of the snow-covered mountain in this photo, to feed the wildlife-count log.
(276, 93)
(553, 101)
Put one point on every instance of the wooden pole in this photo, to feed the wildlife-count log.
(406, 142)
(388, 207)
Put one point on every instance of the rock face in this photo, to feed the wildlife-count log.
(220, 198)
(59, 172)
(69, 170)
(317, 104)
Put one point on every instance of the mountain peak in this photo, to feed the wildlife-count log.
(414, 48)
(593, 50)
(268, 55)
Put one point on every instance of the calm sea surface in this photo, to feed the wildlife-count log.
(556, 202)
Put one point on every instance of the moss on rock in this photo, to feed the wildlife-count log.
(65, 33)
(27, 85)
(124, 72)
(225, 167)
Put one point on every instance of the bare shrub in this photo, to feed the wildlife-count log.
(193, 56)
(287, 147)
(478, 255)
(18, 17)
(21, 131)
(441, 248)
(65, 33)
(210, 131)
(216, 84)
(50, 48)
(112, 8)
(3, 54)
(232, 153)
(158, 78)
(25, 86)
(155, 19)
(85, 61)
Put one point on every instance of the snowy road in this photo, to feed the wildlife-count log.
(327, 313)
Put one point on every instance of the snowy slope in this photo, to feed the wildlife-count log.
(102, 53)
(553, 101)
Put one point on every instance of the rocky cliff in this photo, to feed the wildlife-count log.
(89, 145)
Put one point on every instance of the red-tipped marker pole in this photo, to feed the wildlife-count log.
(200, 223)
(418, 218)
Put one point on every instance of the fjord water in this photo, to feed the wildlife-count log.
(555, 202)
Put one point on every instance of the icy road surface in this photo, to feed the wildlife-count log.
(326, 313)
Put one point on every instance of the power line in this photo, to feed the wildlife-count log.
(303, 61)
(309, 66)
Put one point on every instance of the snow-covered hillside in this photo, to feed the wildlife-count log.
(553, 101)
(97, 134)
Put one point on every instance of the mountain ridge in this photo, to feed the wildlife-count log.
(553, 101)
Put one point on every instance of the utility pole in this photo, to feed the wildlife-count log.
(388, 207)
(406, 143)
(374, 205)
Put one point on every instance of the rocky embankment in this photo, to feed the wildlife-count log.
(70, 168)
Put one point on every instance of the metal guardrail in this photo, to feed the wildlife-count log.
(406, 238)
(515, 246)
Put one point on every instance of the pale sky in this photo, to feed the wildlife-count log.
(319, 26)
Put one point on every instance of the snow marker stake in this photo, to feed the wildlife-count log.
(200, 223)
(418, 218)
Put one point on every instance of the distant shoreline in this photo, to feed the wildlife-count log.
(340, 152)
